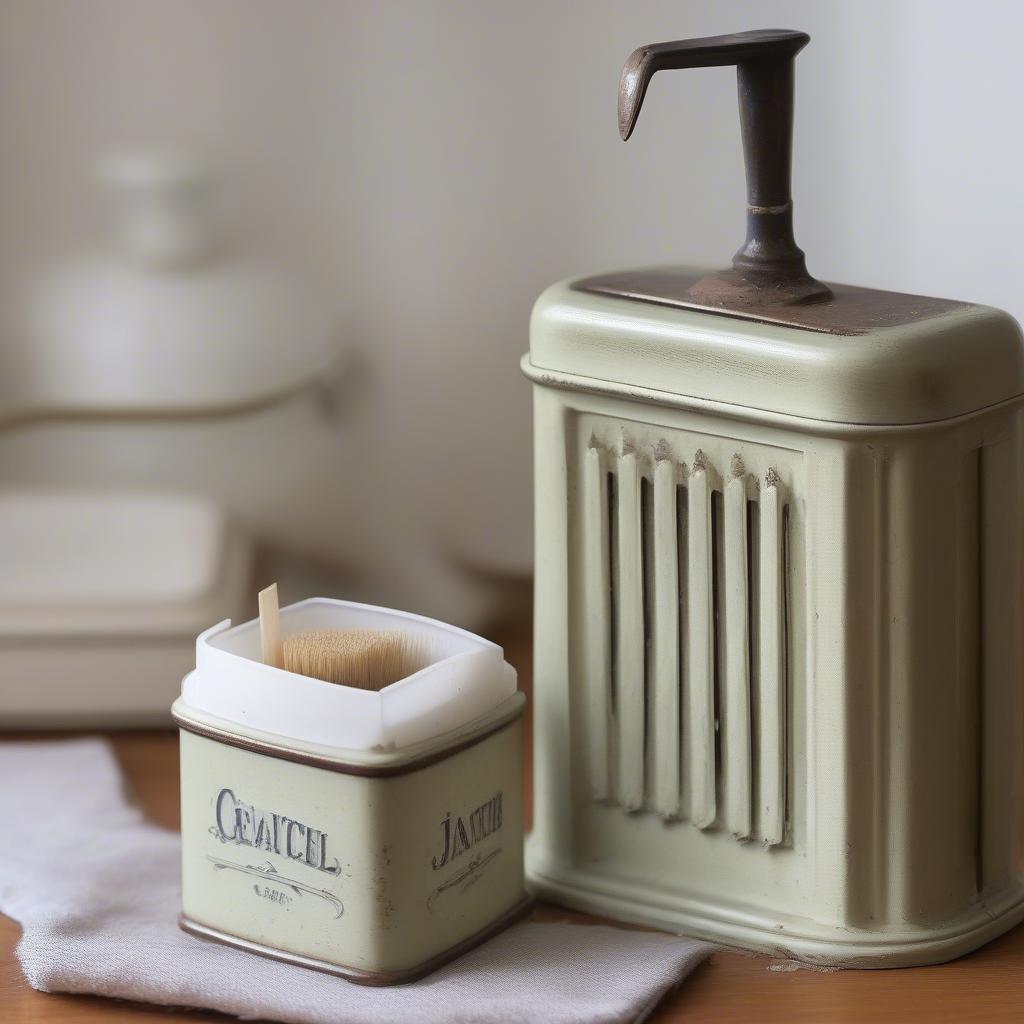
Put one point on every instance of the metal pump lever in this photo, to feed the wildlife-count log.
(769, 269)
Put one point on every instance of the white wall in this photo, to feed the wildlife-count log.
(436, 164)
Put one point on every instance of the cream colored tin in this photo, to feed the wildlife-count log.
(780, 586)
(780, 677)
(377, 861)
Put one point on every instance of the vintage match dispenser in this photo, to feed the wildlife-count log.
(779, 588)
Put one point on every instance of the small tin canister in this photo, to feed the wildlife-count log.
(372, 835)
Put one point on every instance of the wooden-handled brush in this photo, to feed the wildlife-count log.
(368, 659)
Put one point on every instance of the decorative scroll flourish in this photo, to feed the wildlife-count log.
(468, 876)
(267, 870)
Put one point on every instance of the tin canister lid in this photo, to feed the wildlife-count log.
(466, 679)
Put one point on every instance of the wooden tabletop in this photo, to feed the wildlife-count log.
(730, 986)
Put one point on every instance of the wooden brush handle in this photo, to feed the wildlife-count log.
(270, 628)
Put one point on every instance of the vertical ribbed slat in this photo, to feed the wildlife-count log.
(999, 704)
(736, 684)
(701, 652)
(597, 620)
(665, 645)
(771, 762)
(629, 645)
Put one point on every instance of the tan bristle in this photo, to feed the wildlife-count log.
(368, 659)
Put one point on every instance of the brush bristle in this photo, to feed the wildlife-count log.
(368, 659)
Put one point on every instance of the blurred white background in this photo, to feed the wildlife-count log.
(428, 168)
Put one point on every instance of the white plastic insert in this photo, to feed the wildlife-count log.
(466, 678)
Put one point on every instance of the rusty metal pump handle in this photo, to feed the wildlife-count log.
(764, 68)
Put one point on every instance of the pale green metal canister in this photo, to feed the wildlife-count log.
(780, 586)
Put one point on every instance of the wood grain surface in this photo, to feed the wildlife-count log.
(730, 987)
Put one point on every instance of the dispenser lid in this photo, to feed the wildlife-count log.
(957, 359)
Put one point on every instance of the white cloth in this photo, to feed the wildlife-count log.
(96, 890)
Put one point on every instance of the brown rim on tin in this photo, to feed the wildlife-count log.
(354, 974)
(284, 753)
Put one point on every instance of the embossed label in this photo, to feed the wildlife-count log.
(460, 833)
(248, 825)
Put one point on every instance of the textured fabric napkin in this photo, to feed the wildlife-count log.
(96, 890)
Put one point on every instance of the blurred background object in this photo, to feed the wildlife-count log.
(101, 601)
(162, 403)
(302, 295)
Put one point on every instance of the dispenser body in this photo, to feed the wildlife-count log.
(779, 666)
